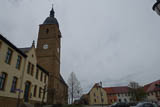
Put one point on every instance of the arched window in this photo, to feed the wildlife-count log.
(3, 78)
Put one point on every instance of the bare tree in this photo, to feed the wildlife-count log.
(74, 89)
(138, 93)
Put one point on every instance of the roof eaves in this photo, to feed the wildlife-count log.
(13, 46)
(46, 72)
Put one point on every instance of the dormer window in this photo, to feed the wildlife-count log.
(47, 30)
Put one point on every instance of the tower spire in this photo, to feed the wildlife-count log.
(52, 12)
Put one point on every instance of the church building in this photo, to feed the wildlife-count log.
(32, 74)
(48, 56)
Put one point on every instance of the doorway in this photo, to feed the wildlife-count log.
(27, 91)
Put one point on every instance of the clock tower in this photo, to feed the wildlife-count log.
(48, 54)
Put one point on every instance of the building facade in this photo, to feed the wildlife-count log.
(18, 72)
(97, 96)
(153, 91)
(33, 74)
(118, 94)
(48, 55)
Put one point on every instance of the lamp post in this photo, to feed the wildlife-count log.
(156, 7)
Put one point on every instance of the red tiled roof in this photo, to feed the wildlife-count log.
(115, 90)
(152, 86)
(109, 90)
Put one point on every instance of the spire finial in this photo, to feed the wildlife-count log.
(33, 43)
(52, 12)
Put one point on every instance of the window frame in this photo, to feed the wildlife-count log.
(8, 56)
(19, 60)
(37, 74)
(14, 84)
(32, 69)
(29, 68)
(3, 80)
(35, 91)
(41, 78)
(39, 92)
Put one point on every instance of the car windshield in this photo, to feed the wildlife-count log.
(114, 103)
(139, 104)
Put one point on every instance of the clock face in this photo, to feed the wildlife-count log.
(45, 46)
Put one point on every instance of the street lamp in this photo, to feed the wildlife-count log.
(156, 7)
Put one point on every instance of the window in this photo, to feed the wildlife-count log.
(47, 31)
(14, 84)
(8, 56)
(94, 94)
(128, 94)
(18, 64)
(101, 94)
(118, 95)
(45, 77)
(37, 72)
(32, 69)
(125, 100)
(35, 91)
(40, 92)
(125, 94)
(152, 93)
(111, 101)
(3, 78)
(28, 68)
(95, 100)
(41, 76)
(102, 100)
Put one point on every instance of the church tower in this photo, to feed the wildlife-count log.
(48, 53)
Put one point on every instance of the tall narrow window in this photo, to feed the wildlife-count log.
(35, 91)
(45, 76)
(37, 73)
(14, 84)
(47, 31)
(95, 100)
(41, 76)
(8, 56)
(3, 78)
(18, 64)
(32, 69)
(28, 68)
(40, 89)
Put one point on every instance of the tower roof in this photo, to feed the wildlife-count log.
(51, 19)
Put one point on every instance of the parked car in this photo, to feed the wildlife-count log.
(120, 105)
(146, 104)
(132, 104)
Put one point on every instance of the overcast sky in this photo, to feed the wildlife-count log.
(113, 41)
